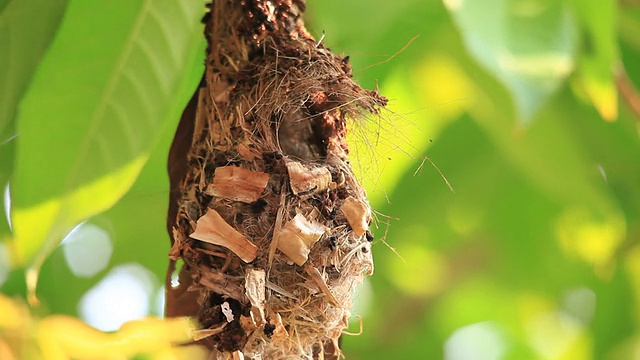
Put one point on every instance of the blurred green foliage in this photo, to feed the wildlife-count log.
(527, 108)
(535, 255)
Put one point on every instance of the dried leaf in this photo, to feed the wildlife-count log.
(297, 237)
(358, 215)
(238, 184)
(212, 228)
(305, 181)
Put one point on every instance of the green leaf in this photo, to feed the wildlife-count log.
(115, 76)
(599, 54)
(527, 44)
(24, 38)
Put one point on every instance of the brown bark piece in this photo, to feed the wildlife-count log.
(238, 184)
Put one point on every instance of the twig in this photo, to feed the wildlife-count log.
(426, 158)
(392, 56)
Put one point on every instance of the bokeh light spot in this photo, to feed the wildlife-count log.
(175, 275)
(554, 334)
(581, 303)
(593, 240)
(445, 87)
(7, 204)
(87, 250)
(124, 294)
(480, 341)
(159, 302)
(424, 271)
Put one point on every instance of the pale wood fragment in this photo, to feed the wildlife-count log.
(297, 237)
(305, 181)
(238, 184)
(358, 215)
(227, 312)
(255, 287)
(212, 228)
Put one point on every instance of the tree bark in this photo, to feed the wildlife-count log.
(265, 212)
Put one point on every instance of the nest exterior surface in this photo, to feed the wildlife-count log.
(271, 224)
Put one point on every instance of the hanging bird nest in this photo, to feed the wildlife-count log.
(271, 223)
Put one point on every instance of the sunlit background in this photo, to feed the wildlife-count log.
(505, 176)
